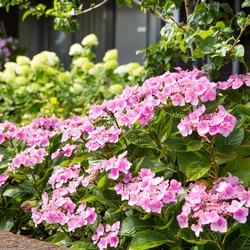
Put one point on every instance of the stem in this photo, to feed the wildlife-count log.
(235, 42)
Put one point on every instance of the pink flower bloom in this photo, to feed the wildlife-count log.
(178, 100)
(213, 206)
(197, 229)
(109, 237)
(241, 214)
(220, 225)
(182, 220)
(3, 178)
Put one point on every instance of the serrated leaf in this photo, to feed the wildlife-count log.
(148, 239)
(61, 239)
(239, 167)
(194, 146)
(186, 158)
(132, 225)
(235, 138)
(196, 170)
(190, 237)
(243, 110)
(6, 223)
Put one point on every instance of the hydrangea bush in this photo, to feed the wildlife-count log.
(41, 86)
(162, 165)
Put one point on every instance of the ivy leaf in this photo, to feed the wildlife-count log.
(246, 3)
(239, 50)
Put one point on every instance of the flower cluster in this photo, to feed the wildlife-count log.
(148, 191)
(213, 123)
(99, 137)
(66, 150)
(108, 237)
(114, 166)
(28, 158)
(138, 103)
(9, 49)
(60, 208)
(203, 206)
(63, 175)
(235, 81)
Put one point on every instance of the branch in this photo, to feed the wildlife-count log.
(236, 41)
(158, 13)
(91, 8)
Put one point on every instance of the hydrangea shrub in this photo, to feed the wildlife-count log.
(158, 166)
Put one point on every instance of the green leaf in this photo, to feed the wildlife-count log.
(6, 223)
(196, 170)
(18, 192)
(91, 198)
(140, 139)
(193, 146)
(184, 159)
(205, 33)
(189, 236)
(147, 240)
(239, 167)
(132, 225)
(246, 3)
(239, 50)
(101, 182)
(177, 144)
(61, 239)
(26, 14)
(235, 138)
(245, 230)
(227, 8)
(243, 110)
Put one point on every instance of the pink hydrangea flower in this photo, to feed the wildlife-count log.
(107, 236)
(213, 206)
(3, 178)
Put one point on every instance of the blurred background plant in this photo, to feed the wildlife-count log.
(9, 50)
(41, 86)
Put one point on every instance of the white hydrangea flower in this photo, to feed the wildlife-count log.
(111, 64)
(76, 49)
(97, 69)
(76, 88)
(90, 40)
(84, 63)
(9, 76)
(22, 60)
(10, 66)
(43, 59)
(126, 68)
(111, 55)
